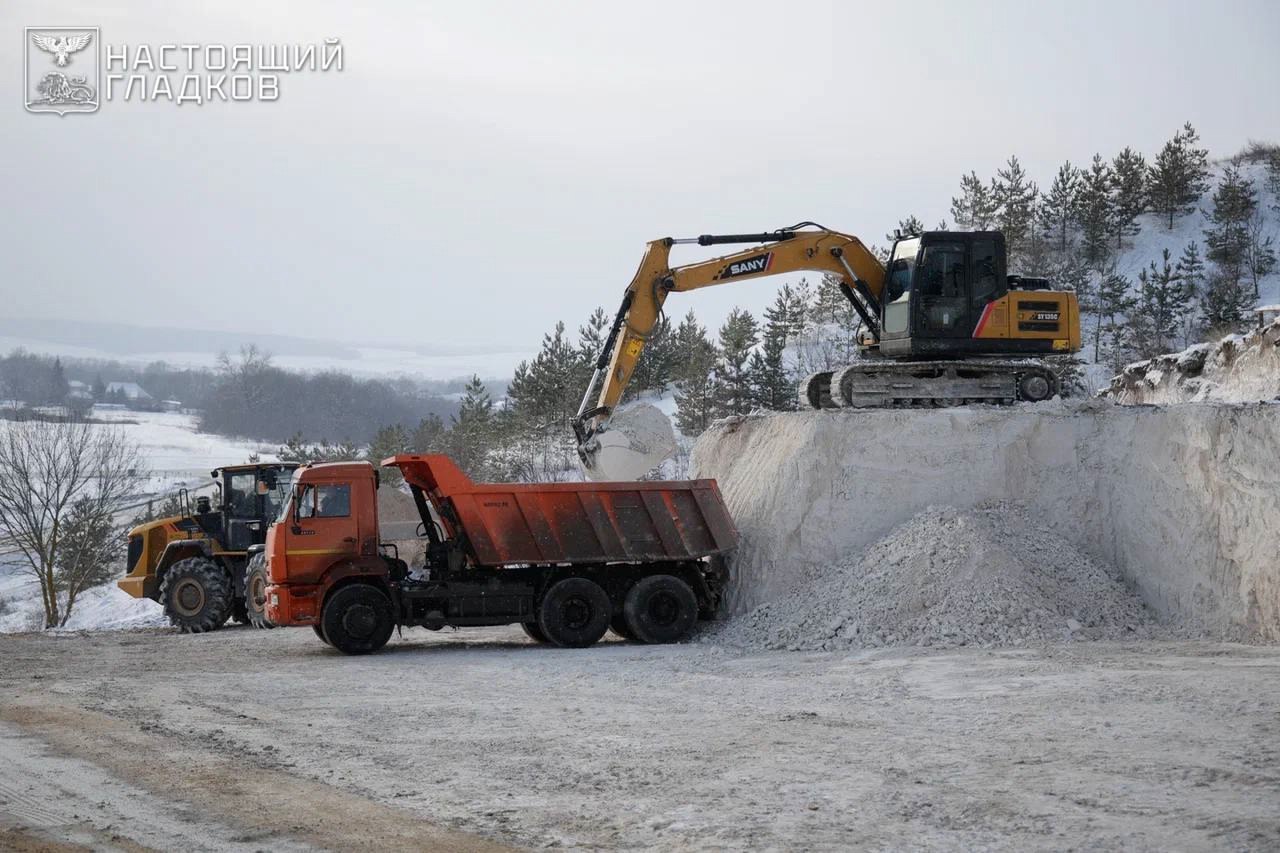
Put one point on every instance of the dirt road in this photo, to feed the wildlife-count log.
(245, 740)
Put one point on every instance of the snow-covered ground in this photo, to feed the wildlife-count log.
(177, 455)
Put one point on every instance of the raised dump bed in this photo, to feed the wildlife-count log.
(567, 561)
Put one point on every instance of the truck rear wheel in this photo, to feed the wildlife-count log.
(320, 633)
(196, 594)
(574, 613)
(255, 592)
(660, 609)
(357, 619)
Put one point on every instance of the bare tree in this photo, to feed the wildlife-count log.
(61, 486)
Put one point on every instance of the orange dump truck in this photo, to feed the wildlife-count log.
(567, 561)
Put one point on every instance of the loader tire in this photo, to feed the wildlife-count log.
(533, 632)
(357, 619)
(574, 613)
(196, 594)
(660, 609)
(255, 592)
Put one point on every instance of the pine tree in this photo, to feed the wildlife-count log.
(1179, 175)
(1096, 212)
(738, 336)
(592, 334)
(1110, 333)
(473, 428)
(1129, 192)
(1226, 302)
(974, 209)
(695, 385)
(100, 390)
(1160, 309)
(1191, 271)
(653, 372)
(429, 436)
(771, 387)
(908, 227)
(1061, 205)
(1014, 196)
(1260, 254)
(389, 441)
(1228, 239)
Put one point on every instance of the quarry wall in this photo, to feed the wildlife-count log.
(1184, 500)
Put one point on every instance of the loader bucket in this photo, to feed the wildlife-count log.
(637, 439)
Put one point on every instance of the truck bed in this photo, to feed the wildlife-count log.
(505, 524)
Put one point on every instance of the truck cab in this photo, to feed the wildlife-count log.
(325, 533)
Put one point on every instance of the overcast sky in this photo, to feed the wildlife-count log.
(480, 170)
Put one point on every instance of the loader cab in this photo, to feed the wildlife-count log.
(251, 499)
(938, 286)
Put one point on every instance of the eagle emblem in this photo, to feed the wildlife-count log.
(62, 48)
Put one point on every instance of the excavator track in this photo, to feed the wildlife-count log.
(874, 384)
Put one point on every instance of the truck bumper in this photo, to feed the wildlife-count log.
(294, 604)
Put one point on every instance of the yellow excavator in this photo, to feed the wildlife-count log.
(943, 323)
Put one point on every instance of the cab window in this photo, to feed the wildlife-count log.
(242, 494)
(327, 500)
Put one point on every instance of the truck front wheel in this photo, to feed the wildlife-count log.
(196, 594)
(574, 613)
(660, 609)
(255, 592)
(357, 619)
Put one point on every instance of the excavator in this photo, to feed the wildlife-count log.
(942, 323)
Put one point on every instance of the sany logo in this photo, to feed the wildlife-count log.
(747, 266)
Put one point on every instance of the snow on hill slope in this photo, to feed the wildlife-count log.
(1155, 235)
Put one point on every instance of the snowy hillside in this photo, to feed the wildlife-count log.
(1155, 236)
(177, 456)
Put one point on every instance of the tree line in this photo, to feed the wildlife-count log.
(1076, 230)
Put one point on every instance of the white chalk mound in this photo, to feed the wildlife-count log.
(989, 576)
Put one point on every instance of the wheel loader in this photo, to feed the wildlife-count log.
(943, 323)
(206, 565)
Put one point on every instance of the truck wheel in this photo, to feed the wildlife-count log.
(255, 592)
(574, 613)
(534, 632)
(319, 633)
(620, 627)
(196, 594)
(660, 609)
(357, 619)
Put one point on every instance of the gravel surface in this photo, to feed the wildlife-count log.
(458, 741)
(990, 576)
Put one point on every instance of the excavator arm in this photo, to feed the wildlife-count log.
(803, 247)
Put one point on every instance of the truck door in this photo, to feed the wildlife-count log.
(323, 530)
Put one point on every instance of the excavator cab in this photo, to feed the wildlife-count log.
(948, 294)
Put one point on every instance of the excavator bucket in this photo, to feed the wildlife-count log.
(638, 438)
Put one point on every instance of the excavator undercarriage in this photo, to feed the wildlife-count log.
(881, 384)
